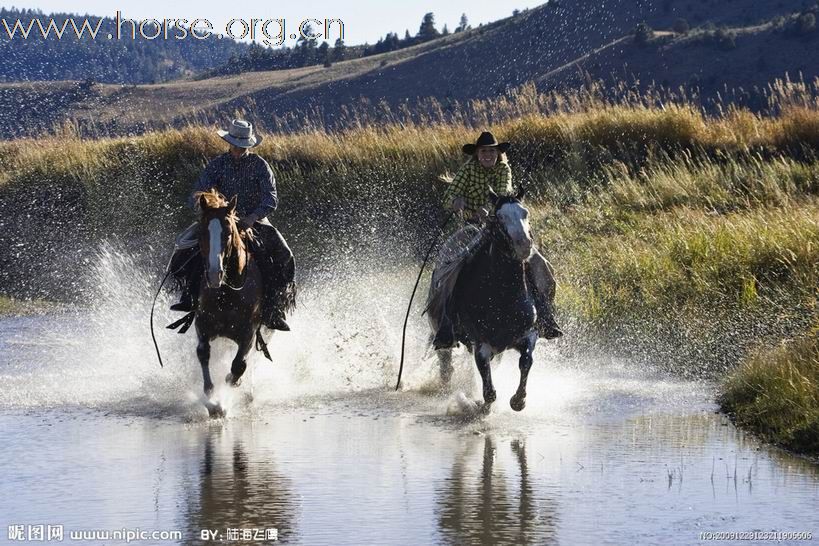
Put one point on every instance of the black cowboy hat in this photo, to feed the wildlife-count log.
(486, 139)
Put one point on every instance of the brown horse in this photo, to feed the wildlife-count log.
(230, 294)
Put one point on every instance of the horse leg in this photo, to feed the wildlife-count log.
(203, 352)
(483, 358)
(518, 401)
(239, 365)
(444, 362)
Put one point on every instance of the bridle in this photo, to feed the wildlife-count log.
(495, 226)
(230, 248)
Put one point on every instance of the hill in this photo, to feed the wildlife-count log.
(28, 56)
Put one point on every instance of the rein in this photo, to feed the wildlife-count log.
(498, 234)
(244, 276)
(156, 296)
(170, 272)
(414, 289)
(231, 250)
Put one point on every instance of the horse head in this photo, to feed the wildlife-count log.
(512, 221)
(219, 235)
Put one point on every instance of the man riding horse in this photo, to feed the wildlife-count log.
(243, 175)
(487, 170)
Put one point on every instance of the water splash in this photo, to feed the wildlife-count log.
(345, 339)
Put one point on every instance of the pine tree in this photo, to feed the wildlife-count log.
(324, 54)
(305, 51)
(463, 24)
(428, 30)
(339, 50)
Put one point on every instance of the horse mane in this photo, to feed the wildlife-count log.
(505, 200)
(214, 200)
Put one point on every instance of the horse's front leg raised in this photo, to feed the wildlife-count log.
(483, 358)
(526, 347)
(203, 352)
(239, 365)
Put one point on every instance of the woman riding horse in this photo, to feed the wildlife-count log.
(246, 178)
(487, 170)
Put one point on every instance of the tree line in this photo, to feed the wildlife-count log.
(111, 61)
(309, 52)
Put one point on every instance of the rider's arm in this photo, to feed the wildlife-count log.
(267, 187)
(458, 188)
(505, 182)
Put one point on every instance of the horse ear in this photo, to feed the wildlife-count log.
(233, 202)
(521, 193)
(493, 197)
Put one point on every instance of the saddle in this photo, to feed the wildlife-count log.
(452, 257)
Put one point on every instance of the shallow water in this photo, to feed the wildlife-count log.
(317, 445)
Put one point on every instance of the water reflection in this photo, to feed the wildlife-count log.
(240, 489)
(490, 498)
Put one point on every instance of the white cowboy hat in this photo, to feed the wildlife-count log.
(241, 134)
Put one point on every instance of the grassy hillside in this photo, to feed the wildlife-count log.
(732, 61)
(561, 45)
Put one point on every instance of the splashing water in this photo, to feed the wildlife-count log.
(345, 339)
(344, 335)
(322, 420)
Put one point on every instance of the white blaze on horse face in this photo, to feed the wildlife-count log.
(515, 219)
(215, 253)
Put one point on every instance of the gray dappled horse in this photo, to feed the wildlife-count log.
(491, 308)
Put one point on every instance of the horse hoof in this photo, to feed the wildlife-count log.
(215, 410)
(518, 403)
(230, 381)
(489, 397)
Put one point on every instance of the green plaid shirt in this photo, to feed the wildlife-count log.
(473, 183)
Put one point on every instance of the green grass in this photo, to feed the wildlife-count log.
(637, 265)
(775, 393)
(14, 307)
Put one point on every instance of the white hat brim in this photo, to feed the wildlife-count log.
(251, 142)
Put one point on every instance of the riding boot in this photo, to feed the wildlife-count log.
(185, 302)
(190, 294)
(272, 313)
(445, 336)
(546, 326)
(273, 317)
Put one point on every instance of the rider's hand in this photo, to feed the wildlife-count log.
(246, 222)
(480, 214)
(458, 204)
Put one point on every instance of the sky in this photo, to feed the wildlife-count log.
(364, 20)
